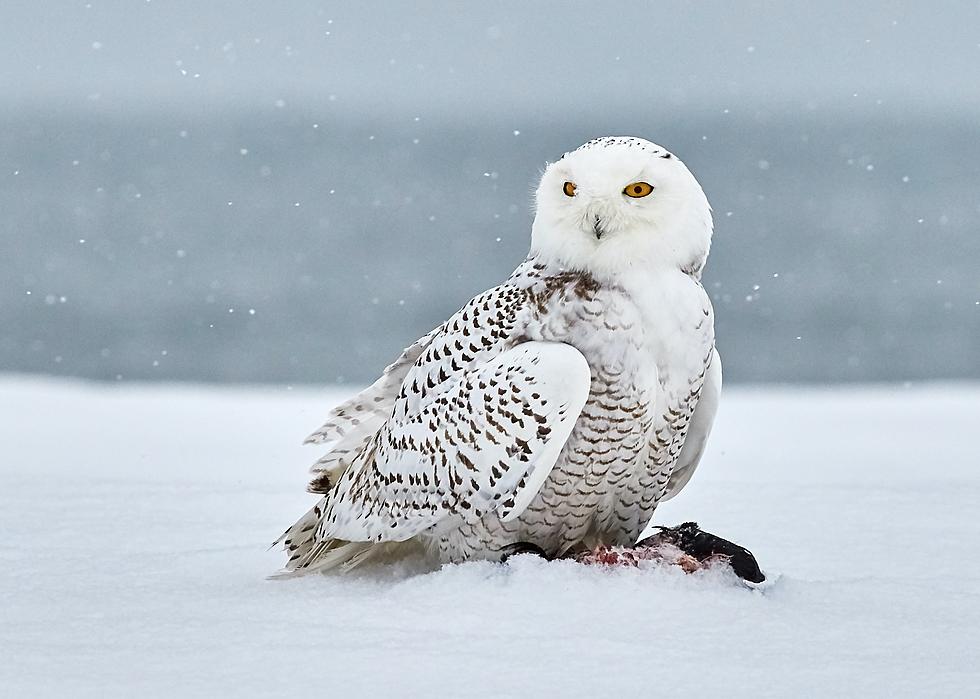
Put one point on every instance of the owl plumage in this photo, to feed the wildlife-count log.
(558, 408)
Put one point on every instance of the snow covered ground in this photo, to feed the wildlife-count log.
(136, 522)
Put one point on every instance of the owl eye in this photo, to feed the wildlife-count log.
(569, 189)
(638, 190)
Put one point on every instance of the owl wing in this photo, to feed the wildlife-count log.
(485, 442)
(373, 401)
(700, 428)
(351, 425)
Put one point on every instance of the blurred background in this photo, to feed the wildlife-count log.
(293, 191)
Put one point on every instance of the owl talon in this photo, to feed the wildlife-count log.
(522, 547)
(701, 545)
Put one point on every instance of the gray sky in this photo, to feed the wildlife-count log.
(353, 172)
(495, 56)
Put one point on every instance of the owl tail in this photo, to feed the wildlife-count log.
(308, 555)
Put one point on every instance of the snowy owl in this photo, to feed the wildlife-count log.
(552, 412)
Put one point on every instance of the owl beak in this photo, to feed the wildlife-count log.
(597, 228)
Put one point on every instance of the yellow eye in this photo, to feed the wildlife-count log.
(638, 190)
(569, 189)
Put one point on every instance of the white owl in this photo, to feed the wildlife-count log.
(553, 411)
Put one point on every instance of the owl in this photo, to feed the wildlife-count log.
(551, 412)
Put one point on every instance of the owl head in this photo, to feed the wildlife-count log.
(619, 204)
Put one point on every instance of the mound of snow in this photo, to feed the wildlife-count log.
(136, 523)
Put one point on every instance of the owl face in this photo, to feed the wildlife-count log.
(620, 202)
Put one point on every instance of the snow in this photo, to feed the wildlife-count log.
(136, 521)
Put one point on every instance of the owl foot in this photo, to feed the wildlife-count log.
(706, 548)
(520, 547)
